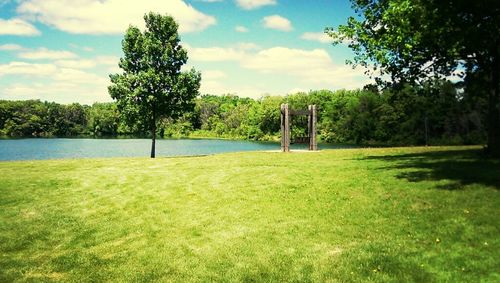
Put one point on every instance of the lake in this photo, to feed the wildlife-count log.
(56, 148)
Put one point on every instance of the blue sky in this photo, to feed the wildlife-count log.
(63, 50)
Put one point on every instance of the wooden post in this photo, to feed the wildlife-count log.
(282, 124)
(285, 128)
(313, 143)
(309, 125)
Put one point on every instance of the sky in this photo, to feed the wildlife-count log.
(64, 50)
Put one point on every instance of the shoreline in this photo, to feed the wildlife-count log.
(292, 151)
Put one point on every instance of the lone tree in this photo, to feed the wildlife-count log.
(152, 85)
(414, 40)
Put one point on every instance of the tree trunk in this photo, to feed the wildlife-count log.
(153, 134)
(494, 111)
(153, 143)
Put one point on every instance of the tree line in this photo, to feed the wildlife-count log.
(435, 113)
(33, 118)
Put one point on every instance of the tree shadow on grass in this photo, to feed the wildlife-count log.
(461, 167)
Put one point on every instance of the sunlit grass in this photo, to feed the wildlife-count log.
(399, 214)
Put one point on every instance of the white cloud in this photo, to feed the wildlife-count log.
(65, 79)
(214, 54)
(58, 91)
(212, 87)
(311, 66)
(10, 47)
(247, 46)
(44, 53)
(110, 16)
(57, 71)
(213, 75)
(296, 90)
(241, 29)
(17, 27)
(23, 68)
(307, 69)
(275, 70)
(76, 64)
(279, 59)
(53, 83)
(84, 48)
(107, 60)
(219, 88)
(236, 52)
(317, 36)
(254, 4)
(277, 22)
(63, 58)
(111, 62)
(78, 77)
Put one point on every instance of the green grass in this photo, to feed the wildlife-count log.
(397, 214)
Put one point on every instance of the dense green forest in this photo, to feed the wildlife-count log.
(440, 113)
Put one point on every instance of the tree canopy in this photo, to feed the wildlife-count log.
(415, 40)
(152, 85)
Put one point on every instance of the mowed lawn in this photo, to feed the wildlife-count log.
(396, 214)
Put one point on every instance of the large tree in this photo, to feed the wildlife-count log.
(413, 40)
(152, 85)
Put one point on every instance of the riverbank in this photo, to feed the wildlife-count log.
(388, 214)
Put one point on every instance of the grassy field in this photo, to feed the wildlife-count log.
(397, 214)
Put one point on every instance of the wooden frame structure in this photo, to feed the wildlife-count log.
(286, 114)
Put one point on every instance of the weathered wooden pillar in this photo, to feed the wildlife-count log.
(313, 143)
(285, 128)
(282, 124)
(309, 125)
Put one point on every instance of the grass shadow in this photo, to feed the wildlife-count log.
(461, 167)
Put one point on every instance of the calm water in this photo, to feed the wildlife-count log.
(27, 149)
